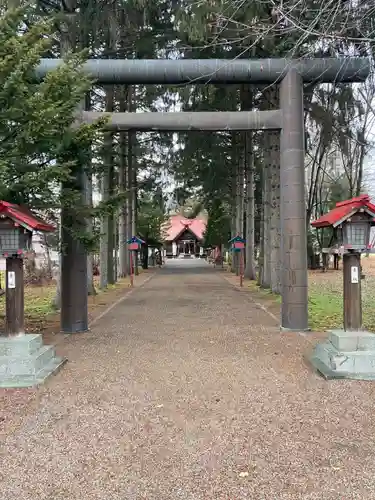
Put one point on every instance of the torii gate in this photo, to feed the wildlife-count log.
(290, 74)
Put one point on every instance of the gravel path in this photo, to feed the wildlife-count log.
(187, 390)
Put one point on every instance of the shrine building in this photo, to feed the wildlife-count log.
(184, 237)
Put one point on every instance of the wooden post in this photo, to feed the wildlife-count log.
(241, 267)
(335, 262)
(135, 263)
(131, 269)
(352, 291)
(14, 296)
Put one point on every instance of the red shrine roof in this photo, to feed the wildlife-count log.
(343, 210)
(25, 217)
(178, 224)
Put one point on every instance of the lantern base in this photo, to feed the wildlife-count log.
(346, 354)
(26, 362)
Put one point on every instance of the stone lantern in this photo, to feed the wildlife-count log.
(349, 353)
(24, 360)
(15, 239)
(354, 233)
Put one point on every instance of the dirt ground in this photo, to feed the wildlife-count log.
(14, 402)
(188, 390)
(41, 318)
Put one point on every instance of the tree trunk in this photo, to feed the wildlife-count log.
(130, 178)
(122, 236)
(106, 233)
(111, 216)
(56, 302)
(273, 143)
(88, 198)
(90, 275)
(134, 213)
(124, 95)
(274, 229)
(65, 47)
(103, 251)
(74, 312)
(145, 257)
(123, 216)
(239, 200)
(266, 243)
(246, 97)
(261, 243)
(233, 222)
(250, 208)
(84, 37)
(115, 246)
(48, 255)
(107, 268)
(234, 210)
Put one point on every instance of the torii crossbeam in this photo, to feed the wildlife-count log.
(177, 71)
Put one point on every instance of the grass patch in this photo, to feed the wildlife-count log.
(326, 298)
(263, 292)
(325, 309)
(38, 301)
(368, 311)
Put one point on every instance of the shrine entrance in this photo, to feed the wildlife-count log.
(289, 119)
(188, 245)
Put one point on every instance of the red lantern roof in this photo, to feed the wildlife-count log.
(25, 217)
(343, 210)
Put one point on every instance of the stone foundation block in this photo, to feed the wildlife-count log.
(26, 362)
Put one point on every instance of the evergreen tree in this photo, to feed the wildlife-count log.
(39, 144)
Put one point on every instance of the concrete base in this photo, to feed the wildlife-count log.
(346, 355)
(26, 362)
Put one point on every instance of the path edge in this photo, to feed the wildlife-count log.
(120, 300)
(257, 304)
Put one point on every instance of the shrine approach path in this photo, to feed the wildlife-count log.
(188, 390)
